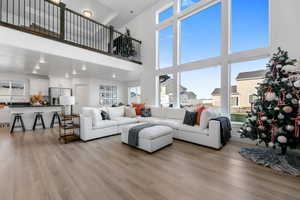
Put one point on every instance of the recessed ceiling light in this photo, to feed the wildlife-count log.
(67, 75)
(37, 67)
(131, 12)
(34, 71)
(88, 13)
(114, 76)
(42, 60)
(74, 72)
(83, 68)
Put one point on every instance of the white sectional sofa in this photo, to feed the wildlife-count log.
(207, 134)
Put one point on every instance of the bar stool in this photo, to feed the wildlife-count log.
(17, 118)
(55, 116)
(38, 116)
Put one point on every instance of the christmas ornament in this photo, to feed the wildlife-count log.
(270, 96)
(282, 139)
(280, 130)
(290, 68)
(277, 108)
(294, 101)
(279, 66)
(297, 84)
(289, 127)
(280, 116)
(287, 109)
(261, 127)
(269, 121)
(284, 79)
(271, 144)
(253, 118)
(264, 118)
(289, 96)
(249, 129)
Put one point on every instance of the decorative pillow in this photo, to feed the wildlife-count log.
(116, 111)
(96, 117)
(146, 112)
(130, 112)
(207, 115)
(190, 118)
(105, 115)
(138, 108)
(199, 111)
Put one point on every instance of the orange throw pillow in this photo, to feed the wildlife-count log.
(138, 108)
(199, 111)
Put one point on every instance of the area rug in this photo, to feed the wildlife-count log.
(268, 157)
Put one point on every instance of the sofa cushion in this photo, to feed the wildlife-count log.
(206, 116)
(174, 113)
(173, 123)
(96, 117)
(130, 112)
(125, 120)
(105, 124)
(155, 132)
(157, 112)
(105, 115)
(149, 119)
(87, 111)
(116, 111)
(190, 118)
(193, 129)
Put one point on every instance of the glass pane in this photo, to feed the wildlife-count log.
(166, 47)
(201, 35)
(167, 90)
(244, 79)
(187, 3)
(200, 87)
(166, 14)
(134, 95)
(250, 24)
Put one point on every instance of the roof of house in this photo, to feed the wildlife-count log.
(217, 91)
(251, 75)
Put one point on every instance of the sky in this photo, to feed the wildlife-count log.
(201, 39)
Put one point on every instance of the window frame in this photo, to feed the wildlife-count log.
(225, 59)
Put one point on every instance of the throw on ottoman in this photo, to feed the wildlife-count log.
(150, 137)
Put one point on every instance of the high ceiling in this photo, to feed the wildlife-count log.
(21, 61)
(113, 12)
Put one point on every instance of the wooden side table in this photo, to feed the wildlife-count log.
(67, 130)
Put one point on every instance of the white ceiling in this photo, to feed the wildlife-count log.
(113, 12)
(21, 61)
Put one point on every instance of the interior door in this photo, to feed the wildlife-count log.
(81, 97)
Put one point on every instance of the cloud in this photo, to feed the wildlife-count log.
(188, 3)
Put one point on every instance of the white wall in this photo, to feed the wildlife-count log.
(93, 87)
(284, 27)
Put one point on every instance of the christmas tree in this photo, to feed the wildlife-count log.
(274, 114)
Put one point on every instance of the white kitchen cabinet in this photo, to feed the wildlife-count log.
(39, 85)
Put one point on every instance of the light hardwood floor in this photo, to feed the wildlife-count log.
(35, 166)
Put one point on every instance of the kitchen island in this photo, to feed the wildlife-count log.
(29, 116)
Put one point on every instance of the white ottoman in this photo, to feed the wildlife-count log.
(150, 139)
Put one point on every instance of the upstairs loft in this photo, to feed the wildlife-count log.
(55, 21)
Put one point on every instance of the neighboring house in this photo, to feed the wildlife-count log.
(242, 93)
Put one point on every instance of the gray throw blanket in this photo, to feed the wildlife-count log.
(225, 129)
(133, 135)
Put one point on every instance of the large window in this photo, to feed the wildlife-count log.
(201, 35)
(167, 85)
(166, 14)
(166, 47)
(200, 87)
(250, 24)
(244, 78)
(187, 3)
(134, 95)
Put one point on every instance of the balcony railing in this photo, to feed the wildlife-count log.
(55, 21)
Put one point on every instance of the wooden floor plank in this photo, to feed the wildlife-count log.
(36, 166)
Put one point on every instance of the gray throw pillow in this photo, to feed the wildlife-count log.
(105, 115)
(190, 118)
(146, 112)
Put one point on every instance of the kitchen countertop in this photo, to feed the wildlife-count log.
(32, 106)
